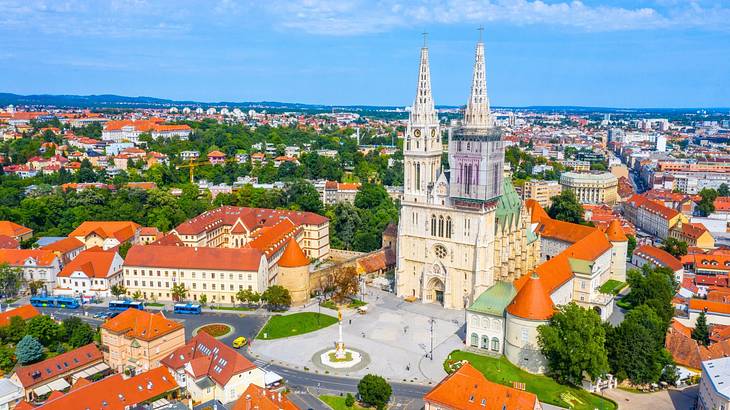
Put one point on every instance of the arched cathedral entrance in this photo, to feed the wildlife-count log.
(435, 291)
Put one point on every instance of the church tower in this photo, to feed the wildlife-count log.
(422, 146)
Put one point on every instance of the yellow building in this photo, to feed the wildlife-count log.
(541, 191)
(139, 340)
(694, 234)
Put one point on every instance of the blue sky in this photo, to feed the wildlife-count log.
(650, 53)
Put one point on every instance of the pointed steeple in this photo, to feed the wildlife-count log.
(477, 108)
(423, 111)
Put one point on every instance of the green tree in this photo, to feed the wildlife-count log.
(68, 326)
(371, 196)
(29, 350)
(124, 248)
(574, 343)
(706, 205)
(118, 290)
(566, 207)
(631, 245)
(82, 335)
(636, 347)
(203, 299)
(302, 195)
(701, 333)
(137, 295)
(675, 247)
(344, 224)
(15, 330)
(277, 297)
(43, 328)
(10, 280)
(7, 358)
(374, 391)
(723, 190)
(248, 295)
(653, 287)
(179, 292)
(349, 400)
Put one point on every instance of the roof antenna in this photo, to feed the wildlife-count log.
(425, 39)
(481, 31)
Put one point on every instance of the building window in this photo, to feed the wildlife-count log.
(441, 226)
(495, 344)
(485, 342)
(448, 227)
(474, 340)
(440, 251)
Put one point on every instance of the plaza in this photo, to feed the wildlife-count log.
(396, 336)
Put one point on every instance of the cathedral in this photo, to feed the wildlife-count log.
(464, 228)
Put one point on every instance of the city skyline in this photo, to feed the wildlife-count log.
(657, 54)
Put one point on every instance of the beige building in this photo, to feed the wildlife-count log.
(457, 236)
(139, 340)
(592, 188)
(218, 273)
(106, 234)
(235, 227)
(541, 191)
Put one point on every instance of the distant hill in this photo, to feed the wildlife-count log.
(118, 101)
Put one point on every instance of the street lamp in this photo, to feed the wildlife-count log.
(431, 321)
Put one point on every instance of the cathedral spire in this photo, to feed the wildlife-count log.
(423, 111)
(477, 108)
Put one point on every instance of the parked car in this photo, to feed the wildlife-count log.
(239, 342)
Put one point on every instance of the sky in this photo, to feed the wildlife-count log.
(641, 53)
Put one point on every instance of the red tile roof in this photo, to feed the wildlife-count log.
(141, 324)
(378, 261)
(139, 125)
(25, 312)
(8, 242)
(293, 256)
(121, 230)
(251, 217)
(658, 257)
(258, 398)
(183, 257)
(615, 232)
(17, 257)
(687, 352)
(532, 301)
(95, 263)
(716, 261)
(536, 212)
(208, 357)
(270, 239)
(639, 201)
(698, 305)
(13, 230)
(49, 369)
(114, 392)
(468, 389)
(64, 245)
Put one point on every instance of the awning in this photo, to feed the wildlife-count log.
(271, 378)
(98, 368)
(57, 385)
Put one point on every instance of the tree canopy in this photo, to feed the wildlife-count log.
(374, 391)
(566, 207)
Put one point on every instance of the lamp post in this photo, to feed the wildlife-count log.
(432, 322)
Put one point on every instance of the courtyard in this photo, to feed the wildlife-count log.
(395, 334)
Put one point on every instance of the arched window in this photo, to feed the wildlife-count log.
(485, 342)
(495, 344)
(448, 227)
(475, 320)
(474, 340)
(418, 176)
(441, 226)
(433, 225)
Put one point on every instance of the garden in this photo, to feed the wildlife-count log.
(216, 330)
(500, 370)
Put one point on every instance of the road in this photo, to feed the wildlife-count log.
(249, 325)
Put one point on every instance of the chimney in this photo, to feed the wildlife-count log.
(248, 402)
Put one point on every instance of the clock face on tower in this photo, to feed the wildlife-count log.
(417, 133)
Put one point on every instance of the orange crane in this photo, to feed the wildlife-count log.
(191, 166)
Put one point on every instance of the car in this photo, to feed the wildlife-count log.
(239, 342)
(99, 315)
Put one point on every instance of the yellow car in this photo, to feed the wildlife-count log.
(239, 342)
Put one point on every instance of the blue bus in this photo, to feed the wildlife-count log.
(64, 302)
(188, 308)
(125, 304)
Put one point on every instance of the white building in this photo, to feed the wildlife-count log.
(91, 274)
(37, 265)
(714, 391)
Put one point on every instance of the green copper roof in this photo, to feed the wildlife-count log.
(509, 205)
(494, 300)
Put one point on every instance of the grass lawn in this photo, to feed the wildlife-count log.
(329, 304)
(295, 324)
(338, 403)
(356, 303)
(236, 308)
(154, 304)
(612, 287)
(624, 304)
(547, 390)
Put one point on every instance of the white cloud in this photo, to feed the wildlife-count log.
(351, 17)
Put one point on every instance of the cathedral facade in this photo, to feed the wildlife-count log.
(464, 228)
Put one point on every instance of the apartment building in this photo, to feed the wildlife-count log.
(652, 217)
(218, 273)
(592, 188)
(541, 191)
(37, 265)
(106, 234)
(138, 340)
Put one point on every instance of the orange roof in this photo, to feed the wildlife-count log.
(258, 398)
(64, 245)
(532, 301)
(658, 257)
(468, 389)
(94, 263)
(184, 257)
(8, 242)
(293, 256)
(140, 324)
(13, 230)
(17, 257)
(25, 312)
(121, 230)
(536, 212)
(139, 125)
(693, 230)
(142, 185)
(270, 239)
(709, 306)
(253, 218)
(563, 231)
(378, 261)
(216, 154)
(615, 232)
(41, 372)
(114, 392)
(639, 201)
(150, 231)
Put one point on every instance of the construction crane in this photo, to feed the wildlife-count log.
(191, 166)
